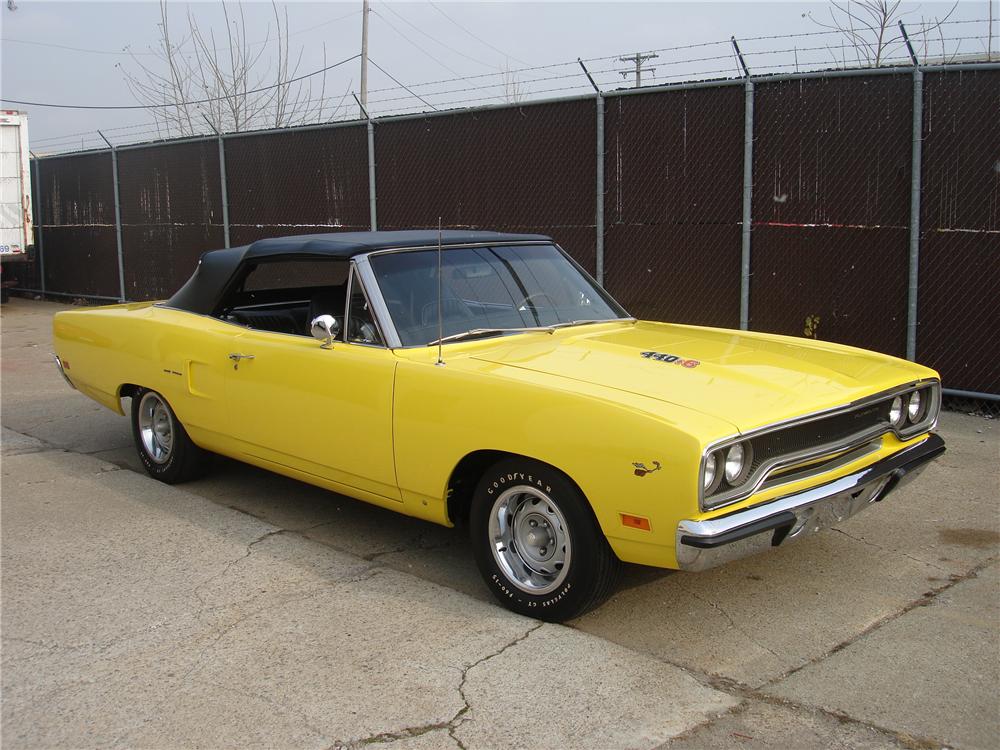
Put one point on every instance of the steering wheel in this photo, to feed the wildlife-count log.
(528, 301)
(364, 332)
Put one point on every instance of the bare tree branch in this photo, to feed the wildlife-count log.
(870, 29)
(229, 75)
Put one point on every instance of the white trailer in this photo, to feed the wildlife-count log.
(16, 236)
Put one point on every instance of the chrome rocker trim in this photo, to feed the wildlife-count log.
(705, 544)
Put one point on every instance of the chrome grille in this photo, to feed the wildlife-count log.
(814, 444)
(836, 429)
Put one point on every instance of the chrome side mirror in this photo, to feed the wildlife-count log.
(326, 329)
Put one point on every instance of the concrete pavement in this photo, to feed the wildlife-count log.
(248, 609)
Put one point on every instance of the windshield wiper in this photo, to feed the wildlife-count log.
(591, 322)
(477, 332)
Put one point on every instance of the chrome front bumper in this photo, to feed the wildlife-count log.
(705, 544)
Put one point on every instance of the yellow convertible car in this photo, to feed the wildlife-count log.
(485, 378)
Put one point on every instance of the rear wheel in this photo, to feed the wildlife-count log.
(163, 445)
(537, 543)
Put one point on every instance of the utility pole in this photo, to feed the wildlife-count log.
(638, 59)
(364, 58)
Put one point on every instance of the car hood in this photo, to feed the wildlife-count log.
(747, 379)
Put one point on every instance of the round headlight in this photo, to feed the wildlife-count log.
(896, 411)
(913, 407)
(735, 461)
(710, 467)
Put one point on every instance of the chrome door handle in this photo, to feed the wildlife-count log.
(237, 357)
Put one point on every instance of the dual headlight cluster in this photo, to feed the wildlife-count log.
(909, 409)
(730, 464)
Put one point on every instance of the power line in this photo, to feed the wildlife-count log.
(402, 85)
(418, 47)
(478, 39)
(129, 53)
(435, 40)
(486, 75)
(181, 104)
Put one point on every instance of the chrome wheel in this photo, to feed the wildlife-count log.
(156, 427)
(530, 540)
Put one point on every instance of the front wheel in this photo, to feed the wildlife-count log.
(537, 543)
(163, 445)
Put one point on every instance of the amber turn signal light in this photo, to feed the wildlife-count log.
(635, 522)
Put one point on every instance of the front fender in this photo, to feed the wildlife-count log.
(593, 434)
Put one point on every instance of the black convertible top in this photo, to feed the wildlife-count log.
(202, 291)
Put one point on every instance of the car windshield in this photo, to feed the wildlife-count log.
(486, 291)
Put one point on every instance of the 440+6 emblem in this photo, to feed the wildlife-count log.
(671, 359)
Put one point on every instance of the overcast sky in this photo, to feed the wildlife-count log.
(414, 42)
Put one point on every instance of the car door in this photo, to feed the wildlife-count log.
(326, 412)
(191, 372)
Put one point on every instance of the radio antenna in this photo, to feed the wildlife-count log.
(440, 362)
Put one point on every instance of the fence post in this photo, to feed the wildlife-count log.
(38, 228)
(224, 189)
(748, 96)
(915, 168)
(118, 226)
(599, 213)
(371, 174)
(747, 188)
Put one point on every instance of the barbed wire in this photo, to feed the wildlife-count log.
(567, 78)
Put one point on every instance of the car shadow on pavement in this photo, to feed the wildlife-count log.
(435, 553)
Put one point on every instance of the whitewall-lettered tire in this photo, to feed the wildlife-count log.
(537, 543)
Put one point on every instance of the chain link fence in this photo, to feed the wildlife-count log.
(854, 206)
(170, 213)
(672, 204)
(519, 169)
(831, 209)
(959, 315)
(76, 240)
(297, 182)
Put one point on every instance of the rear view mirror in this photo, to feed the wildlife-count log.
(326, 329)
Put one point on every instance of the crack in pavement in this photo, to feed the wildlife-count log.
(926, 599)
(249, 551)
(264, 698)
(729, 618)
(744, 692)
(460, 717)
(409, 547)
(723, 684)
(385, 738)
(232, 563)
(199, 661)
(891, 551)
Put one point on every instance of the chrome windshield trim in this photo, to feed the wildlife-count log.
(762, 474)
(347, 300)
(418, 248)
(380, 311)
(353, 276)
